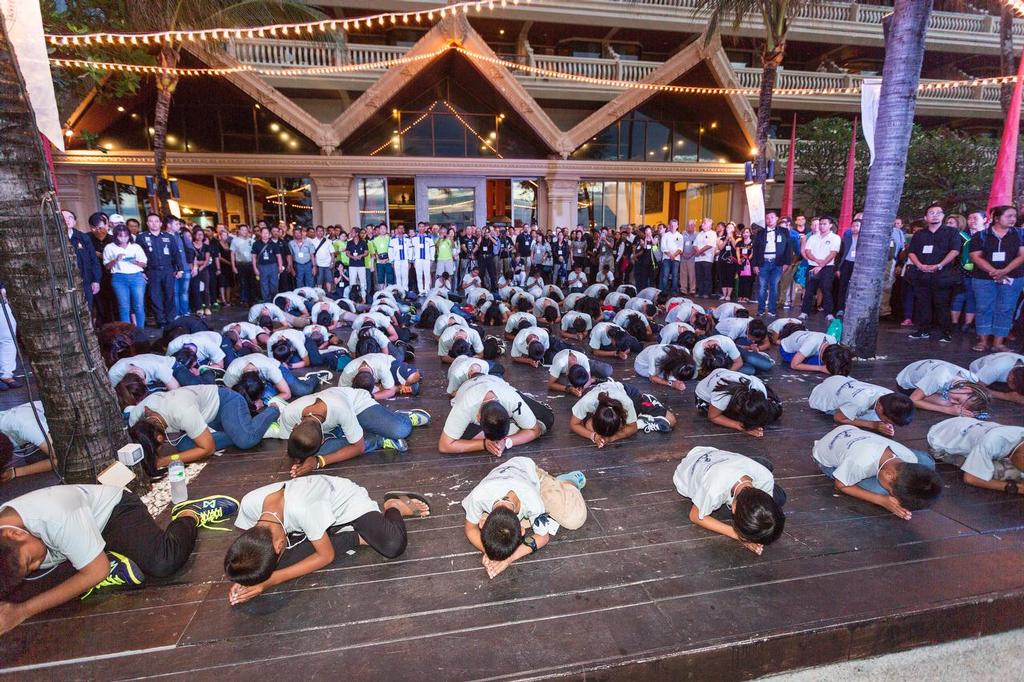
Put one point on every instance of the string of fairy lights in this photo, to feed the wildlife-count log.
(485, 142)
(394, 18)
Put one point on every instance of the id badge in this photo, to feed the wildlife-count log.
(998, 256)
(927, 249)
(167, 252)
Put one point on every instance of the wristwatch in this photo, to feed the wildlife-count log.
(508, 443)
(1011, 487)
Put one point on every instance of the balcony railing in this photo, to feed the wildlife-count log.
(278, 53)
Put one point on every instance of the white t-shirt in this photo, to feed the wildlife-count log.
(311, 329)
(723, 342)
(615, 299)
(19, 424)
(807, 344)
(294, 336)
(672, 331)
(520, 345)
(670, 243)
(776, 326)
(646, 362)
(623, 317)
(379, 364)
(726, 310)
(569, 303)
(451, 334)
(586, 405)
(980, 443)
(311, 293)
(447, 320)
(733, 327)
(458, 371)
(518, 475)
(638, 304)
(207, 346)
(683, 311)
(323, 254)
(343, 404)
(854, 453)
(576, 280)
(467, 402)
(993, 368)
(708, 238)
(156, 367)
(706, 387)
(821, 246)
(515, 319)
(69, 519)
(707, 476)
(269, 369)
(570, 317)
(188, 409)
(599, 335)
(375, 334)
(931, 376)
(441, 303)
(543, 302)
(560, 362)
(332, 308)
(855, 399)
(312, 504)
(650, 293)
(597, 291)
(379, 320)
(132, 254)
(276, 314)
(245, 330)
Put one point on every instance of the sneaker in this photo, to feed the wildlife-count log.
(945, 338)
(324, 375)
(649, 424)
(418, 417)
(920, 335)
(907, 323)
(829, 318)
(769, 314)
(278, 402)
(577, 478)
(273, 431)
(399, 444)
(212, 510)
(802, 316)
(123, 573)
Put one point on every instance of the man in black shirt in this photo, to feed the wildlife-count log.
(933, 254)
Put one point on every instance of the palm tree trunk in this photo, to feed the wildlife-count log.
(904, 53)
(45, 292)
(1008, 67)
(770, 63)
(165, 86)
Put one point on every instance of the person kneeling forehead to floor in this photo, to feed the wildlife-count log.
(879, 470)
(334, 514)
(105, 532)
(519, 496)
(714, 478)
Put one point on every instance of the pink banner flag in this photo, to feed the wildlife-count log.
(846, 208)
(787, 191)
(1002, 178)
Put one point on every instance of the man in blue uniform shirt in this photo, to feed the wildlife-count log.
(163, 266)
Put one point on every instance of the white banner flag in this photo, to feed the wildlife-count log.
(870, 91)
(24, 24)
(755, 203)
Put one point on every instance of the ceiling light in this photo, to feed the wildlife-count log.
(714, 124)
(283, 136)
(275, 127)
(293, 144)
(493, 135)
(171, 139)
(121, 109)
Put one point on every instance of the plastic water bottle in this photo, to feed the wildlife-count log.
(176, 475)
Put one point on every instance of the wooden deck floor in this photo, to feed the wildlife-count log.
(637, 593)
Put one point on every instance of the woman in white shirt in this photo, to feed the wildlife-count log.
(126, 262)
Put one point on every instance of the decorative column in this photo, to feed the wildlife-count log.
(562, 195)
(333, 202)
(76, 192)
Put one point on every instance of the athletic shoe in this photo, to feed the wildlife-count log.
(123, 573)
(945, 338)
(324, 375)
(829, 318)
(278, 402)
(769, 314)
(919, 335)
(212, 510)
(649, 424)
(802, 316)
(575, 477)
(398, 444)
(273, 431)
(418, 417)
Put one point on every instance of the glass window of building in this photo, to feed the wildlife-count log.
(372, 198)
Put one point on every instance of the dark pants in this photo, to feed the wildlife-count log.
(932, 297)
(161, 294)
(131, 531)
(643, 276)
(318, 359)
(822, 281)
(246, 283)
(298, 387)
(489, 275)
(385, 533)
(703, 271)
(845, 273)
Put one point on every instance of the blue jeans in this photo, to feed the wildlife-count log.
(181, 294)
(871, 484)
(318, 359)
(304, 274)
(298, 387)
(668, 280)
(269, 278)
(755, 361)
(385, 275)
(995, 304)
(187, 378)
(963, 299)
(768, 285)
(378, 423)
(130, 291)
(233, 425)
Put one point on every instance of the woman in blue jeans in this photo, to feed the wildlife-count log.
(997, 278)
(211, 417)
(126, 262)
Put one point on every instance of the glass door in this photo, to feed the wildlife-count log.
(447, 205)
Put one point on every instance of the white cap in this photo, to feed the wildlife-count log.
(116, 219)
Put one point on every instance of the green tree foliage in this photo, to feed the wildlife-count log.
(949, 166)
